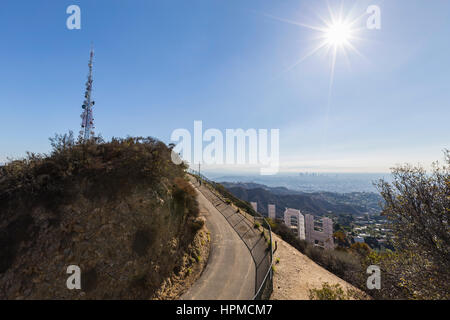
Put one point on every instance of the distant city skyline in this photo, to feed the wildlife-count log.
(161, 65)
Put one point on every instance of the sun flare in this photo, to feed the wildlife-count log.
(338, 34)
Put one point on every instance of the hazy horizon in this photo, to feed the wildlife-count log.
(310, 182)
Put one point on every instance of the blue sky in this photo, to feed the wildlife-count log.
(160, 65)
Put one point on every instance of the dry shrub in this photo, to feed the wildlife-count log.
(198, 223)
(185, 198)
(142, 240)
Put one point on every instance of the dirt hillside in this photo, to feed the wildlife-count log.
(120, 211)
(295, 274)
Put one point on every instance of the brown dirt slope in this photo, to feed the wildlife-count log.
(296, 274)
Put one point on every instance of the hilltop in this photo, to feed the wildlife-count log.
(120, 210)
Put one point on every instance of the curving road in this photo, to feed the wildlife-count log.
(230, 272)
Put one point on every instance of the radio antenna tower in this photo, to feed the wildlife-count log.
(87, 124)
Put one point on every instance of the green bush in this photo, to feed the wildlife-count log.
(335, 292)
(328, 292)
(417, 206)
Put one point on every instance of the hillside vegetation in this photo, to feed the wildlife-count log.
(120, 210)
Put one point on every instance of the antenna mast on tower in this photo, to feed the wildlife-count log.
(87, 124)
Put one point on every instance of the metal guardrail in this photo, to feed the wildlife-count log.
(245, 226)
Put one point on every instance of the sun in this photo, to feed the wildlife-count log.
(338, 34)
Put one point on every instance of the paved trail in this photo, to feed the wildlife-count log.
(230, 272)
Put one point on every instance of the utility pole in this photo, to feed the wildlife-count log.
(87, 123)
